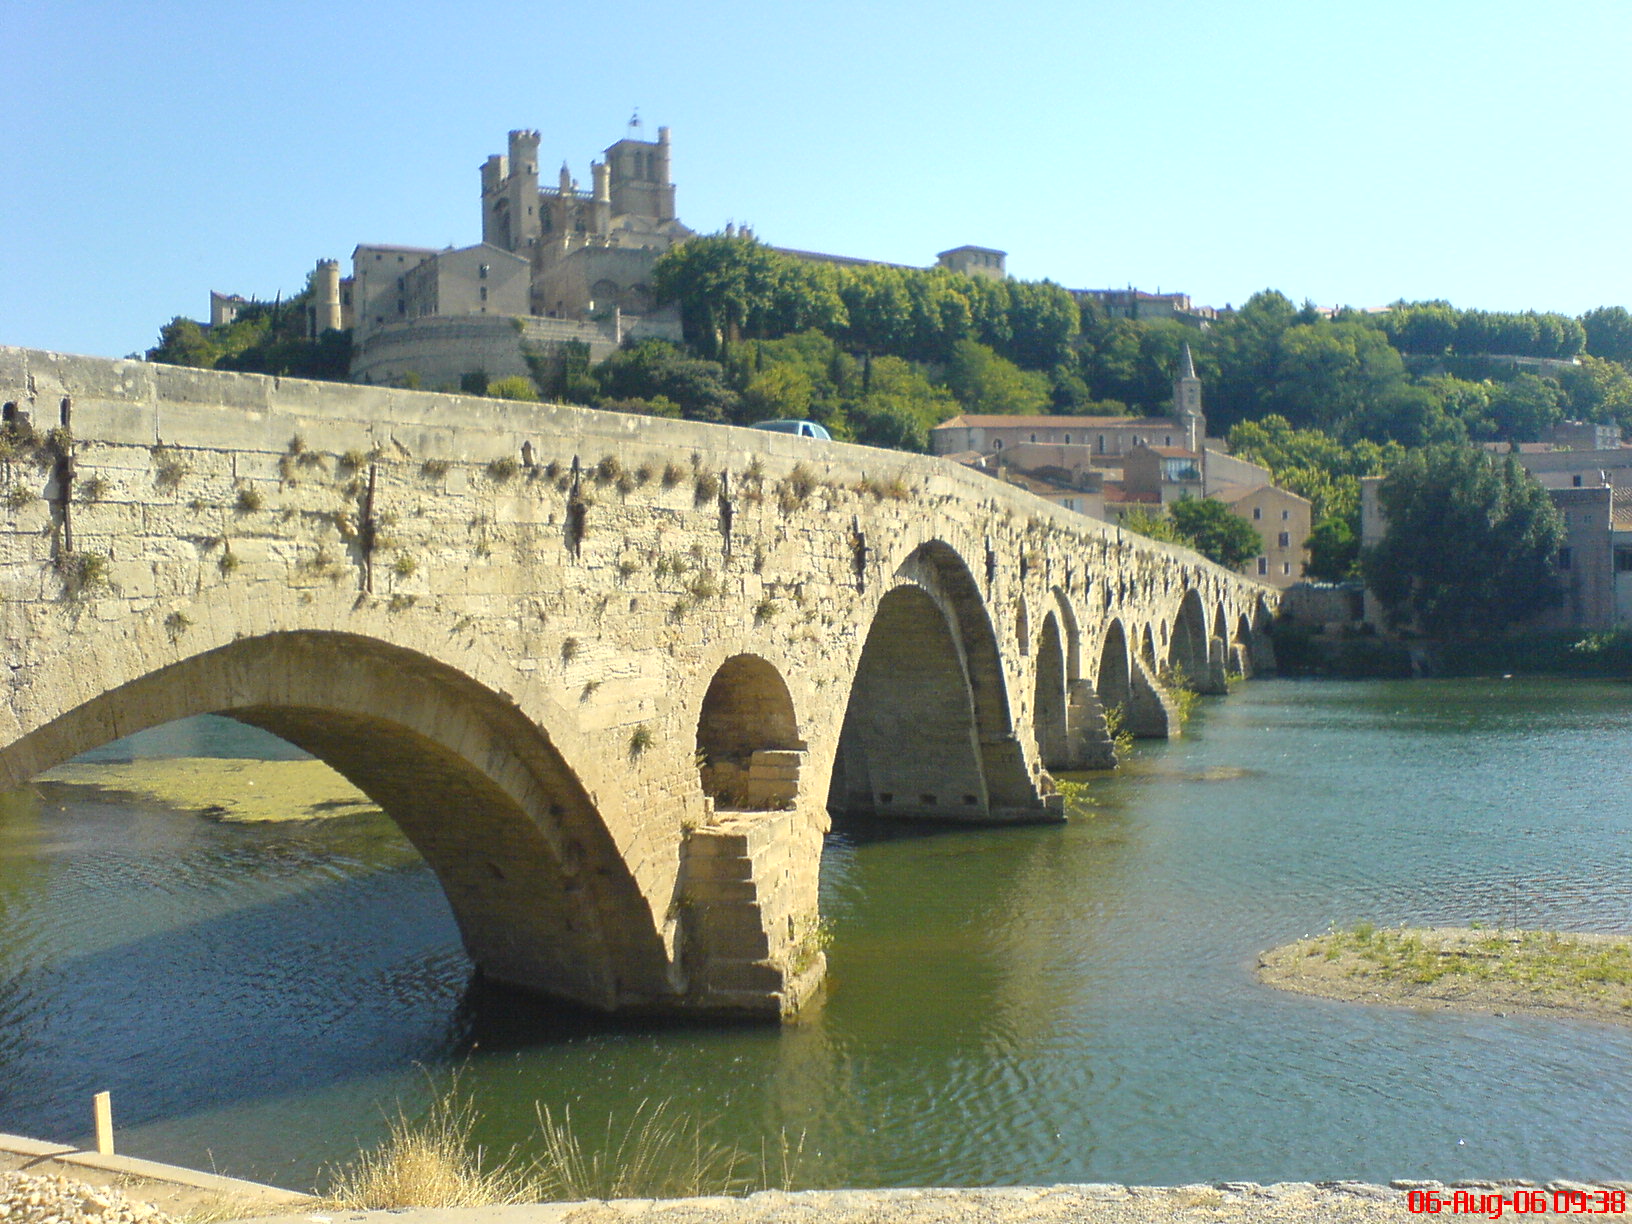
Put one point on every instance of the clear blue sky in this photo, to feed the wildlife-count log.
(1347, 153)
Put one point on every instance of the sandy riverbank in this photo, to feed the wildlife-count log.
(1579, 976)
(225, 788)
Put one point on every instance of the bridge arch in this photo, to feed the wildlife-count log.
(1048, 707)
(927, 729)
(1114, 677)
(1187, 645)
(542, 896)
(746, 713)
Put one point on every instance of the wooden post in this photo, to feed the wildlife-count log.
(103, 1105)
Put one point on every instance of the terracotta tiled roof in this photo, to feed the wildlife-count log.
(1000, 421)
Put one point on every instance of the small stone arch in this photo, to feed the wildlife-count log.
(1022, 624)
(748, 746)
(1187, 648)
(1048, 707)
(1070, 634)
(1147, 648)
(1114, 677)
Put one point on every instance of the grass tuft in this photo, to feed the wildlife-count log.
(428, 1162)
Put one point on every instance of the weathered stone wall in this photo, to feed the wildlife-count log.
(581, 657)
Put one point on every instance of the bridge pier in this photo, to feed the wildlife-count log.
(751, 936)
(1151, 712)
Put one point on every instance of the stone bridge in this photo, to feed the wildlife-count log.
(609, 674)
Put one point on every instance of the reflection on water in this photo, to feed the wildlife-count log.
(1073, 1003)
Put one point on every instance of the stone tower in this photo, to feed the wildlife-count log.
(510, 195)
(1187, 402)
(325, 312)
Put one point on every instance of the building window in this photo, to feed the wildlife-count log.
(1102, 444)
(482, 271)
(1575, 481)
(997, 443)
(484, 293)
(1167, 440)
(1263, 566)
(1068, 439)
(1284, 540)
(1286, 568)
(1623, 560)
(1257, 512)
(1034, 437)
(1565, 557)
(1069, 503)
(1285, 515)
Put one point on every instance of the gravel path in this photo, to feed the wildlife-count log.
(32, 1198)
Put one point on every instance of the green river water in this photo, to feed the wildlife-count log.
(1019, 1006)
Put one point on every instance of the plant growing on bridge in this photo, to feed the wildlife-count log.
(82, 573)
(228, 562)
(176, 624)
(707, 487)
(404, 566)
(19, 496)
(170, 468)
(94, 489)
(673, 474)
(640, 739)
(249, 499)
(569, 649)
(764, 610)
(1116, 728)
(434, 469)
(501, 471)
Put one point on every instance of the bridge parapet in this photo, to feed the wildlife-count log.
(577, 653)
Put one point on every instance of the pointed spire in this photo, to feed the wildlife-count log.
(1187, 367)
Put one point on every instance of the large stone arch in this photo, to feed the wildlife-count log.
(543, 898)
(910, 743)
(927, 728)
(748, 744)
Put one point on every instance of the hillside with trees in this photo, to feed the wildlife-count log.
(881, 354)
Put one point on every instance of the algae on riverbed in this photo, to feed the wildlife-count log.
(226, 789)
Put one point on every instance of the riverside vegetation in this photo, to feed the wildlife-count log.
(1584, 975)
(658, 1152)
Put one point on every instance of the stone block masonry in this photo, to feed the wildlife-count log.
(610, 674)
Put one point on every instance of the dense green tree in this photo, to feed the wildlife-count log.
(1609, 333)
(1215, 531)
(1334, 551)
(1154, 525)
(982, 381)
(1470, 544)
(1597, 390)
(781, 392)
(1426, 328)
(1210, 527)
(1313, 464)
(1522, 409)
(1246, 347)
(656, 368)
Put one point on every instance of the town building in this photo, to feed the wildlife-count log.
(1109, 467)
